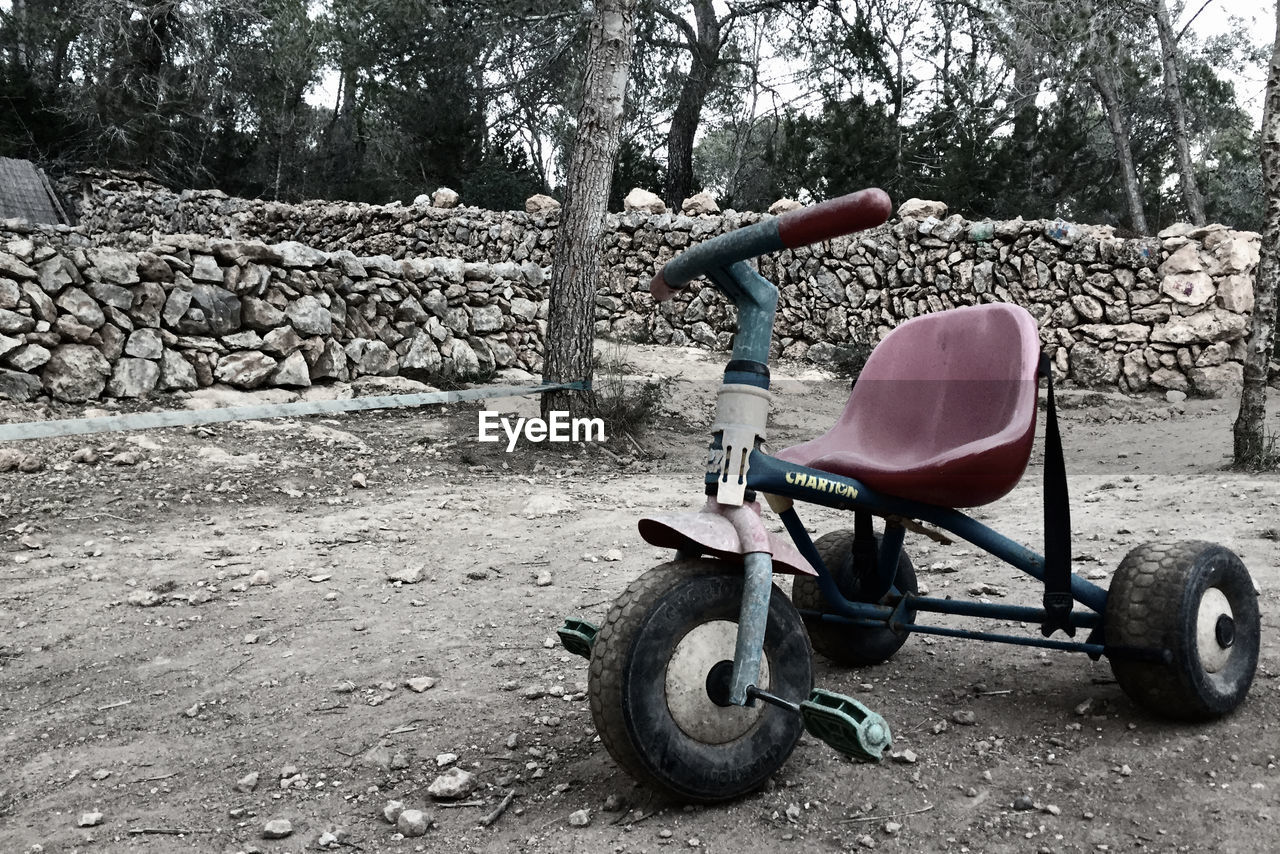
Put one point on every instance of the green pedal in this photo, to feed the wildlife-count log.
(577, 636)
(846, 725)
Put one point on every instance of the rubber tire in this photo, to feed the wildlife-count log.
(852, 646)
(1154, 602)
(627, 683)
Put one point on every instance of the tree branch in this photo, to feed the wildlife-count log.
(691, 38)
(1191, 20)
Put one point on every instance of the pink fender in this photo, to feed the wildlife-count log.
(723, 531)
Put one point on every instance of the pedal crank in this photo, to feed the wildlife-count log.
(578, 636)
(847, 725)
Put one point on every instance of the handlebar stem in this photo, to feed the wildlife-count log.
(757, 301)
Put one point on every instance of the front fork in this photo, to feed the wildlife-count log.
(753, 614)
(753, 619)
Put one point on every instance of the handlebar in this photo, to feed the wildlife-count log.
(833, 218)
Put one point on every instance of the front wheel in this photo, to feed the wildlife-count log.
(660, 668)
(1197, 601)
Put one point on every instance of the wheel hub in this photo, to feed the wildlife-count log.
(696, 698)
(1215, 630)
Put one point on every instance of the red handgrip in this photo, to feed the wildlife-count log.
(834, 218)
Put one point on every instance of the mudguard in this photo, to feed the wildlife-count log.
(723, 531)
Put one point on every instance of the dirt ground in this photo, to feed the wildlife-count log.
(200, 604)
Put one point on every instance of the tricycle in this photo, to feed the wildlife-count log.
(701, 679)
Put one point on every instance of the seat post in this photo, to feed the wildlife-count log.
(864, 552)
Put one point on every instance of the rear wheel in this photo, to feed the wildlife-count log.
(856, 646)
(1196, 600)
(660, 672)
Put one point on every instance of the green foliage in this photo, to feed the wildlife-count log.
(984, 104)
(635, 167)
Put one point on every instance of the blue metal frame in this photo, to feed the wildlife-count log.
(778, 477)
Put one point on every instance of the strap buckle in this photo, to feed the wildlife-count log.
(1057, 614)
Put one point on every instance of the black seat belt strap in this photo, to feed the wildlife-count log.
(1057, 521)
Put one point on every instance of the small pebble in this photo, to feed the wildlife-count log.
(260, 578)
(892, 827)
(1022, 803)
(359, 481)
(964, 717)
(581, 818)
(248, 782)
(90, 819)
(906, 757)
(543, 579)
(392, 811)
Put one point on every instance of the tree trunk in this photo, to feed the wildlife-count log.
(1250, 435)
(704, 59)
(575, 263)
(1178, 113)
(1025, 173)
(1106, 89)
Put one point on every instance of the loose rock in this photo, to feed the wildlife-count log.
(277, 828)
(454, 783)
(418, 684)
(412, 823)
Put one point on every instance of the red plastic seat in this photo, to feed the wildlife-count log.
(944, 410)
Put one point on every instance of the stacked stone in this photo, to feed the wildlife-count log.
(1168, 313)
(1135, 314)
(78, 321)
(133, 217)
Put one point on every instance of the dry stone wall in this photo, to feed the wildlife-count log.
(436, 292)
(79, 319)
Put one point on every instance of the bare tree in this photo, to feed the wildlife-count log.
(575, 264)
(704, 38)
(1102, 76)
(1178, 112)
(1088, 39)
(1250, 433)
